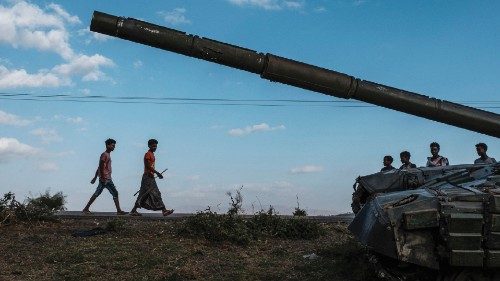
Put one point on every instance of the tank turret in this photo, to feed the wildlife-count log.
(299, 74)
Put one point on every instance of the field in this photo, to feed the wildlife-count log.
(154, 250)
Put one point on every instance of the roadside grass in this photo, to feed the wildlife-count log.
(242, 230)
(145, 250)
(206, 246)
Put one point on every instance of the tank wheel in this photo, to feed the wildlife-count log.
(468, 275)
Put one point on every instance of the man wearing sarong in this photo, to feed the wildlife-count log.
(105, 181)
(149, 195)
(481, 149)
(436, 160)
(405, 160)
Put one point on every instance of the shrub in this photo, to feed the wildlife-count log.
(32, 209)
(235, 207)
(298, 211)
(240, 230)
(270, 224)
(44, 206)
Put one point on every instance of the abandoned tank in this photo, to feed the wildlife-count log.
(446, 219)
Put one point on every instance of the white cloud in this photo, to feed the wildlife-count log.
(270, 4)
(263, 127)
(86, 66)
(65, 15)
(93, 36)
(138, 64)
(11, 119)
(320, 9)
(47, 135)
(26, 25)
(307, 169)
(293, 4)
(15, 78)
(68, 119)
(11, 147)
(48, 167)
(176, 16)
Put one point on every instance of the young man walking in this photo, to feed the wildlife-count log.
(104, 173)
(149, 195)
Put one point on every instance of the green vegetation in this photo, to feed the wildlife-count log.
(298, 212)
(41, 208)
(242, 230)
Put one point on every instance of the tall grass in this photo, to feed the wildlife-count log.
(32, 209)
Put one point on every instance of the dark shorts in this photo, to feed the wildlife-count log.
(109, 185)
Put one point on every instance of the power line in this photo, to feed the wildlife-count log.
(174, 98)
(203, 101)
(175, 103)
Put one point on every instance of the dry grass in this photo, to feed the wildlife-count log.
(145, 250)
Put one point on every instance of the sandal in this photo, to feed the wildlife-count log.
(121, 213)
(167, 212)
(135, 214)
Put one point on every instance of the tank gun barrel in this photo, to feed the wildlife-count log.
(299, 74)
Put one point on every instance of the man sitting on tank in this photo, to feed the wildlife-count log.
(436, 160)
(387, 164)
(405, 159)
(481, 149)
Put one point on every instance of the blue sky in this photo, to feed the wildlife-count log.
(443, 49)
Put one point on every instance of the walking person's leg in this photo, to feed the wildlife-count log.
(134, 212)
(94, 196)
(137, 204)
(112, 189)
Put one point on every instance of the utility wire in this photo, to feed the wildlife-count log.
(173, 98)
(178, 103)
(204, 101)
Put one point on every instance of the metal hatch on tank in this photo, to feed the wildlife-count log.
(446, 218)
